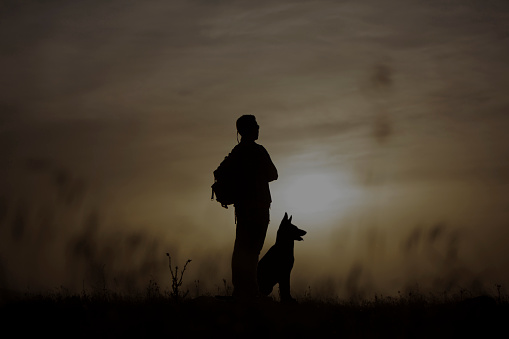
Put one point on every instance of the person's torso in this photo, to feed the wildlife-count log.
(251, 162)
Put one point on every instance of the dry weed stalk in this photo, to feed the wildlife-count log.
(176, 281)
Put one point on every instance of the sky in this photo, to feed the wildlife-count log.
(387, 122)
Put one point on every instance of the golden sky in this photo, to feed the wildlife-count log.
(387, 122)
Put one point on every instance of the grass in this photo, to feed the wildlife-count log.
(105, 313)
(151, 312)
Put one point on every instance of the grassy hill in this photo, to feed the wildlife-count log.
(108, 314)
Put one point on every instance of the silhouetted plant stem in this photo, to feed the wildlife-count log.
(176, 281)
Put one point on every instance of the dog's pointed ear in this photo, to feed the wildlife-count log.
(286, 216)
(290, 220)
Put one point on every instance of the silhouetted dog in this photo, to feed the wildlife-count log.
(276, 265)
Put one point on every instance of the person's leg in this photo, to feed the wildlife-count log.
(252, 224)
(240, 257)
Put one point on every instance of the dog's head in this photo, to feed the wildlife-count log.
(289, 231)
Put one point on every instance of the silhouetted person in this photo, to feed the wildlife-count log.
(253, 170)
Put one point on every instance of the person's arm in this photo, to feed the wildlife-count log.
(270, 168)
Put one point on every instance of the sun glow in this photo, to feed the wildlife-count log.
(317, 197)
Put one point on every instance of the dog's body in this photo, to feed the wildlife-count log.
(275, 267)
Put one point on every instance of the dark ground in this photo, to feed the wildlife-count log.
(82, 316)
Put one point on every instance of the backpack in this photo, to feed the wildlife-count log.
(224, 184)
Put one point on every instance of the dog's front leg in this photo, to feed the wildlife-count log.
(284, 288)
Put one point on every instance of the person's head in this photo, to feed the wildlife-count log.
(248, 127)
